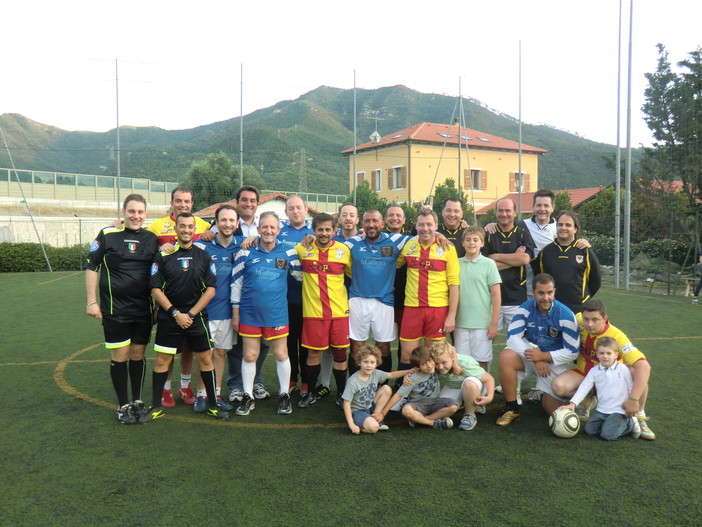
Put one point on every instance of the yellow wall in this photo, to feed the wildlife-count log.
(425, 159)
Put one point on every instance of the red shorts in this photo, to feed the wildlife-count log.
(273, 333)
(427, 322)
(320, 333)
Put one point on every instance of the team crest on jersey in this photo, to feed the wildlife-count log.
(154, 268)
(386, 252)
(579, 258)
(439, 252)
(281, 263)
(94, 246)
(185, 264)
(553, 332)
(167, 225)
(132, 247)
(339, 254)
(413, 246)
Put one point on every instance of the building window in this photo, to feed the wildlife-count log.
(376, 180)
(360, 176)
(475, 178)
(517, 183)
(397, 177)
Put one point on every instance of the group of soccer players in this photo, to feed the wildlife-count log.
(214, 290)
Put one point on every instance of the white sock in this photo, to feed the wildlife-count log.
(283, 368)
(327, 363)
(185, 380)
(641, 413)
(202, 393)
(218, 391)
(167, 386)
(248, 372)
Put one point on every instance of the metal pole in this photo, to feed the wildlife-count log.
(627, 182)
(618, 169)
(460, 125)
(119, 168)
(241, 128)
(520, 177)
(355, 135)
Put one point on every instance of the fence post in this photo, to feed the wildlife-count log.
(670, 249)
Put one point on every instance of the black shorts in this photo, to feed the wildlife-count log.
(169, 336)
(121, 331)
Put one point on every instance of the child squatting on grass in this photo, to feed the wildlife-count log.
(462, 379)
(362, 395)
(421, 389)
(613, 382)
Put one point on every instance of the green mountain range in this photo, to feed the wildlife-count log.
(294, 137)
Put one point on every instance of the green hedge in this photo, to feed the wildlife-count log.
(604, 248)
(27, 257)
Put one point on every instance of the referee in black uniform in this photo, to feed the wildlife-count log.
(122, 257)
(182, 283)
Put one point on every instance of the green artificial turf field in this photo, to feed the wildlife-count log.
(66, 460)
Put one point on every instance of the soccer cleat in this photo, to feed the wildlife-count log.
(223, 404)
(284, 406)
(260, 392)
(498, 388)
(468, 422)
(246, 405)
(306, 399)
(586, 406)
(383, 427)
(125, 414)
(200, 404)
(646, 432)
(236, 395)
(441, 424)
(534, 396)
(507, 417)
(636, 431)
(139, 409)
(398, 405)
(323, 391)
(480, 409)
(187, 395)
(155, 412)
(218, 413)
(695, 300)
(167, 400)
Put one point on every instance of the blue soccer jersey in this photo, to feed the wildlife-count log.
(260, 285)
(374, 266)
(220, 307)
(556, 332)
(290, 236)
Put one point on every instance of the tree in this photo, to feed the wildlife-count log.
(673, 110)
(562, 202)
(366, 199)
(446, 190)
(216, 179)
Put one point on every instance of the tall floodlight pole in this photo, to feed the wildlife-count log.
(627, 182)
(618, 170)
(119, 168)
(241, 127)
(460, 125)
(355, 135)
(520, 177)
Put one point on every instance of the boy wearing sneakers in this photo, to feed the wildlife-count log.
(462, 379)
(421, 389)
(613, 382)
(362, 396)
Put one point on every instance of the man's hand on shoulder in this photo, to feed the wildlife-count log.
(207, 236)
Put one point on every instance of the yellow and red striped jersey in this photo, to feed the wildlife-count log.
(323, 291)
(587, 358)
(164, 229)
(430, 272)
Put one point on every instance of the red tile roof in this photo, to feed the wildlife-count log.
(432, 133)
(578, 196)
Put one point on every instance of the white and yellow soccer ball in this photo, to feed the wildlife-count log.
(564, 423)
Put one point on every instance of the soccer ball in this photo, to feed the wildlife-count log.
(564, 423)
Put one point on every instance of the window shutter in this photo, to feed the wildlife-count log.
(466, 179)
(512, 181)
(372, 180)
(526, 183)
(390, 185)
(403, 177)
(483, 180)
(359, 178)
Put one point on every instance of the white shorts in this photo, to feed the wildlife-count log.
(542, 383)
(506, 315)
(457, 393)
(474, 343)
(371, 316)
(223, 335)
